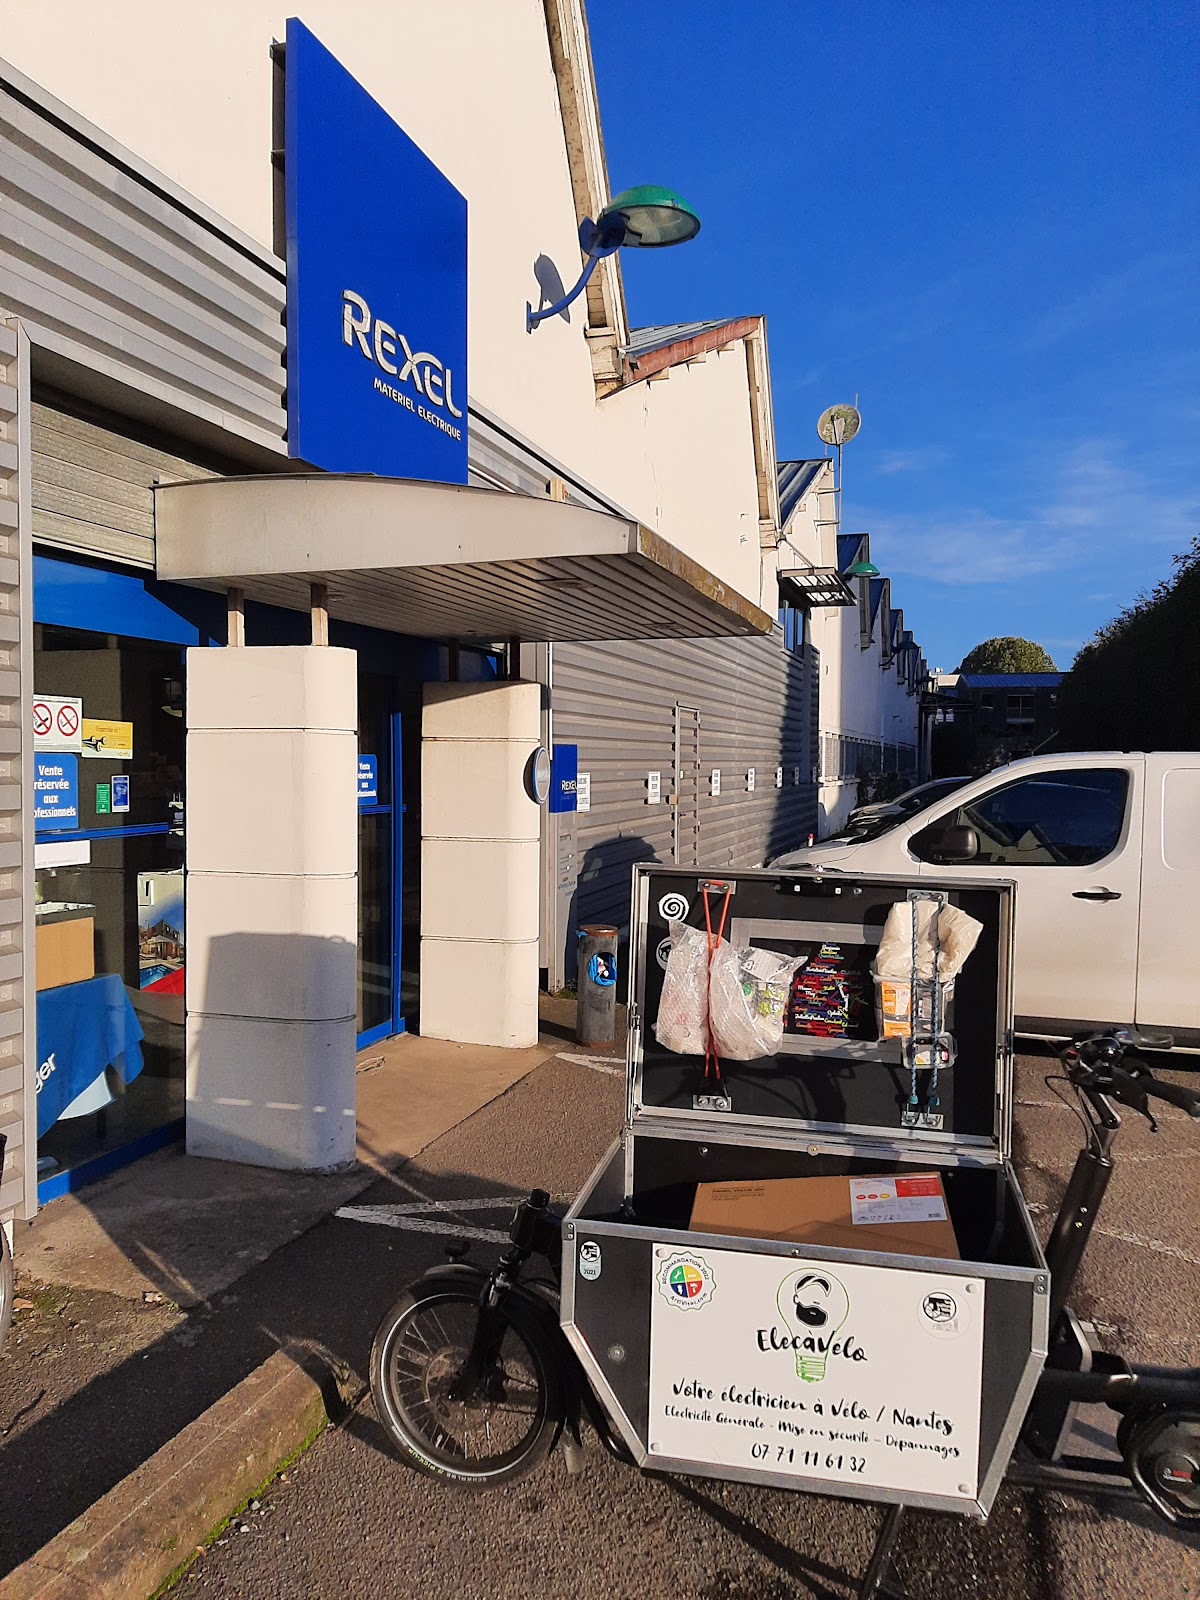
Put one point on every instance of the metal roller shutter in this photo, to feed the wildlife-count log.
(672, 708)
(92, 488)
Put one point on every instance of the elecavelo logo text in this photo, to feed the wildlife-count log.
(391, 351)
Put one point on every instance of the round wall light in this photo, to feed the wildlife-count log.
(537, 775)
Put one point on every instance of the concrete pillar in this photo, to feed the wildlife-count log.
(480, 833)
(272, 905)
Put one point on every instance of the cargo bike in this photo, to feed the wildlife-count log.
(814, 1268)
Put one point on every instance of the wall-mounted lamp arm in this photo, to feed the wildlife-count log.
(596, 240)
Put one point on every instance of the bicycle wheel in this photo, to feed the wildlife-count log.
(6, 1286)
(478, 1432)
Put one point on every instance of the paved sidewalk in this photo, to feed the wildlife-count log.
(146, 1298)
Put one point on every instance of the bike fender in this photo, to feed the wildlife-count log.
(460, 1274)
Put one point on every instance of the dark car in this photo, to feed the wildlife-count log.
(876, 818)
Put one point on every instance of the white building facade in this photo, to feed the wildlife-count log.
(870, 671)
(303, 706)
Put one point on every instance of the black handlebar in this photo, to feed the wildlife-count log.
(1095, 1063)
(1186, 1099)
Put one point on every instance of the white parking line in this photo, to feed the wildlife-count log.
(596, 1063)
(1156, 1245)
(414, 1217)
(419, 1224)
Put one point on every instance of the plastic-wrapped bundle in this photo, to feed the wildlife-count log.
(682, 1023)
(748, 996)
(952, 932)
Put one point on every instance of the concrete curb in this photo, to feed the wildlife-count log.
(131, 1541)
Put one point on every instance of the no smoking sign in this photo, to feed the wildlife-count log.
(57, 722)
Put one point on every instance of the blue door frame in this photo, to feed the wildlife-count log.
(395, 1024)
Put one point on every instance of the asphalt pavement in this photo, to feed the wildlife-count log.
(350, 1519)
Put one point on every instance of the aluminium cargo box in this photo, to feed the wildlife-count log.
(885, 1377)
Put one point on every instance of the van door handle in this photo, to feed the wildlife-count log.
(1096, 894)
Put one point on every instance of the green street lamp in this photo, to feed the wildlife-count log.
(862, 569)
(644, 218)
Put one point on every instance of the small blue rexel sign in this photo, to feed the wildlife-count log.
(368, 780)
(120, 791)
(564, 777)
(55, 790)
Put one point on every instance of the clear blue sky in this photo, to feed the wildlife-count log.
(981, 217)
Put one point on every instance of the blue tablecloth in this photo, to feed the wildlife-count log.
(82, 1028)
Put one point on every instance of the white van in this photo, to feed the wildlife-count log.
(1105, 850)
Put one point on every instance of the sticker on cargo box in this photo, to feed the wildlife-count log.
(590, 1263)
(686, 1280)
(897, 1200)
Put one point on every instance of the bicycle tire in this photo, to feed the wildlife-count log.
(417, 1353)
(7, 1286)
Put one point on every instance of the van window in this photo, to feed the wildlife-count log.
(1066, 819)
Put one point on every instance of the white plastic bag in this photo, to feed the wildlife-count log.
(682, 1023)
(748, 995)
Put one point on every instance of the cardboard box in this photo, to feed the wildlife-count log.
(65, 951)
(900, 1213)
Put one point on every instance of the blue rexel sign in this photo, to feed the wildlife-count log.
(376, 283)
(55, 790)
(564, 777)
(368, 780)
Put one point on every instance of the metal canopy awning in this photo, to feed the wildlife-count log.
(440, 560)
(816, 586)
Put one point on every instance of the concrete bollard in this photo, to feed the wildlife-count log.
(596, 1003)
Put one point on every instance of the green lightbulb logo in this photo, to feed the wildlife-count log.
(815, 1304)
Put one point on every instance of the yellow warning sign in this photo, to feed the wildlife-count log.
(112, 740)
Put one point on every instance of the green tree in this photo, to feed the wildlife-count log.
(1136, 685)
(1007, 655)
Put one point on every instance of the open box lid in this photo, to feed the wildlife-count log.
(853, 1091)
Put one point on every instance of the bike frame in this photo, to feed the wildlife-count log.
(1077, 1373)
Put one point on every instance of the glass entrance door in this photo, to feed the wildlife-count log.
(380, 846)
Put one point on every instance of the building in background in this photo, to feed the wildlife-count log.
(699, 752)
(272, 729)
(983, 719)
(869, 669)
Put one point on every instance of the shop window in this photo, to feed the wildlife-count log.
(109, 891)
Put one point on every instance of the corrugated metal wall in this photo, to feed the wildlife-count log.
(18, 1096)
(125, 277)
(617, 702)
(92, 488)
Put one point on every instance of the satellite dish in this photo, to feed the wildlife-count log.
(838, 424)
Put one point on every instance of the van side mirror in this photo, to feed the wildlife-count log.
(947, 844)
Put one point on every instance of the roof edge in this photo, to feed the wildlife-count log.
(636, 368)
